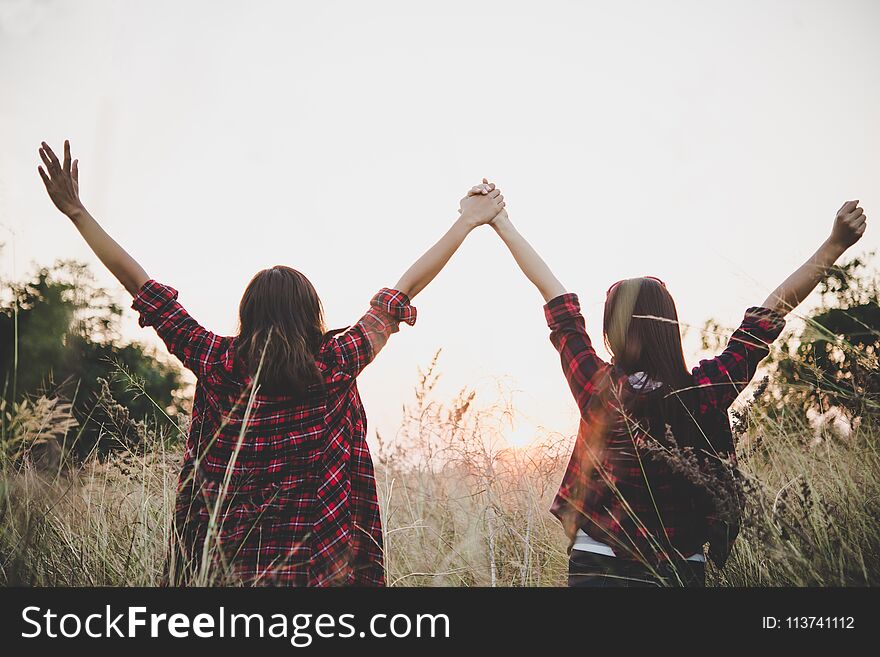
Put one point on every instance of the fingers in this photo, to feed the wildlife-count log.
(855, 214)
(44, 177)
(46, 160)
(854, 218)
(494, 202)
(53, 163)
(849, 224)
(856, 222)
(858, 226)
(483, 189)
(75, 171)
(67, 157)
(848, 207)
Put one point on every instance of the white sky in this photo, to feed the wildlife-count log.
(707, 143)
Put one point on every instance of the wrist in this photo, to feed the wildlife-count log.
(466, 222)
(78, 214)
(502, 226)
(834, 247)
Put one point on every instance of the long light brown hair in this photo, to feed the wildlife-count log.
(281, 325)
(642, 332)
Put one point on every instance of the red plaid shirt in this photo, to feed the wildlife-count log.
(613, 489)
(285, 484)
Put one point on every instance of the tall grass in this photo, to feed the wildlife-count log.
(460, 506)
(814, 505)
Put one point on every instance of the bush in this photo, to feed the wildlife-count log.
(59, 338)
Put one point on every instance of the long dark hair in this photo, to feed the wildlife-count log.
(642, 332)
(282, 325)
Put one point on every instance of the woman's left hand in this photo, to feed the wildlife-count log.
(478, 208)
(62, 179)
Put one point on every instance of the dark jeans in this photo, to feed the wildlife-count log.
(598, 570)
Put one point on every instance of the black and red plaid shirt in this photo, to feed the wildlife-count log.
(282, 486)
(613, 489)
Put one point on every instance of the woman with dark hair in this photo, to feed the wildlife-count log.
(651, 479)
(277, 483)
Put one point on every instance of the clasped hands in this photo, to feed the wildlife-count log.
(484, 204)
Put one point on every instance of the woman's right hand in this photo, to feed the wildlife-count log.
(62, 179)
(849, 225)
(481, 205)
(500, 219)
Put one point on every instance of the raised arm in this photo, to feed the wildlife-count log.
(849, 226)
(721, 379)
(531, 264)
(358, 346)
(62, 183)
(475, 210)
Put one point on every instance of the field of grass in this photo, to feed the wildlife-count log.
(460, 508)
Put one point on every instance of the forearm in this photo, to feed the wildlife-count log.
(804, 280)
(125, 268)
(426, 268)
(531, 264)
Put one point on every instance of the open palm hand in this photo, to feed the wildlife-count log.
(61, 179)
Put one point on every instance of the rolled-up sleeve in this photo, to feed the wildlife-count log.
(395, 305)
(359, 345)
(568, 333)
(151, 301)
(196, 347)
(721, 379)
